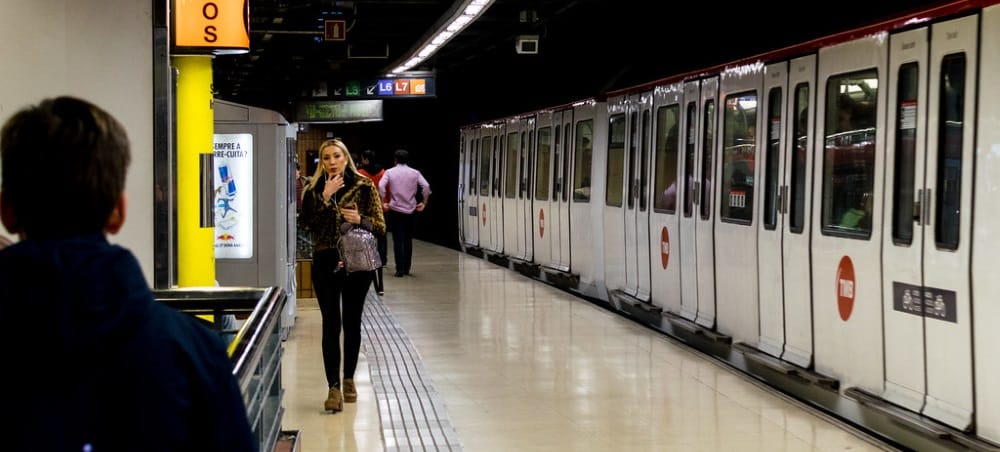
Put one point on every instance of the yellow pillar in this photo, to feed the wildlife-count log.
(195, 128)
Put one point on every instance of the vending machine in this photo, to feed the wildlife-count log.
(254, 200)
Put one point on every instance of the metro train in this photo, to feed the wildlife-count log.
(824, 217)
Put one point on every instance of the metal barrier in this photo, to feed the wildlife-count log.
(255, 346)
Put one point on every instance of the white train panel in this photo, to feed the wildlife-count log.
(664, 230)
(986, 203)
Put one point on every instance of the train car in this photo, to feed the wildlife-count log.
(821, 217)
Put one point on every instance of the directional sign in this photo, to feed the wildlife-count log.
(385, 87)
(371, 90)
(353, 88)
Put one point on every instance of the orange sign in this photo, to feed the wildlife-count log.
(335, 30)
(402, 86)
(845, 288)
(664, 247)
(418, 86)
(219, 26)
(541, 222)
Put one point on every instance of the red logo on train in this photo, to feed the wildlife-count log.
(541, 222)
(664, 247)
(484, 214)
(845, 288)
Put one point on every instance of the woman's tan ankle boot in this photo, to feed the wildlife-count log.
(350, 391)
(333, 401)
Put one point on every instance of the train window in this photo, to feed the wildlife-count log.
(692, 122)
(542, 168)
(556, 161)
(528, 166)
(473, 163)
(522, 165)
(771, 159)
(582, 160)
(484, 166)
(510, 178)
(644, 162)
(905, 152)
(616, 161)
(739, 151)
(565, 166)
(849, 154)
(497, 165)
(707, 162)
(800, 135)
(633, 143)
(665, 161)
(951, 125)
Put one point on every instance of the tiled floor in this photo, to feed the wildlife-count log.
(465, 355)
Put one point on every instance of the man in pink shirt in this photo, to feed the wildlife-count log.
(403, 182)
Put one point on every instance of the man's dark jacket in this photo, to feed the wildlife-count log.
(94, 360)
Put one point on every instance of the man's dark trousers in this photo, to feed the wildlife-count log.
(402, 225)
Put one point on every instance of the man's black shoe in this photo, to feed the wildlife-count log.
(398, 274)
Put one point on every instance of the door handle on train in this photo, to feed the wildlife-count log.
(917, 204)
(927, 210)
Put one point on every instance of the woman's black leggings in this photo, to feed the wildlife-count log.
(330, 282)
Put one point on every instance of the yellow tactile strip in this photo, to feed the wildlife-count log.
(412, 415)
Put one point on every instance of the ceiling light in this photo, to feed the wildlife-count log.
(461, 14)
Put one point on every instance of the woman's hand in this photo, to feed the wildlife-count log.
(351, 214)
(333, 183)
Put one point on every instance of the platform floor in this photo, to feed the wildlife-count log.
(467, 356)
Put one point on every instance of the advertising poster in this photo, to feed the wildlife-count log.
(233, 196)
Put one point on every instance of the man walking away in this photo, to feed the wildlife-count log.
(403, 182)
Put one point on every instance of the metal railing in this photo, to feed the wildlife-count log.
(255, 346)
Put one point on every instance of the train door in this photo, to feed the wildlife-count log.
(497, 191)
(848, 197)
(560, 224)
(986, 285)
(706, 177)
(470, 186)
(770, 204)
(616, 233)
(636, 196)
(738, 175)
(586, 258)
(664, 223)
(485, 182)
(642, 203)
(795, 241)
(927, 285)
(905, 367)
(527, 223)
(545, 142)
(688, 190)
(513, 220)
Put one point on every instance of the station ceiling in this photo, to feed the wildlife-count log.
(585, 46)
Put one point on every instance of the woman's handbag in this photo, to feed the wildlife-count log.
(359, 250)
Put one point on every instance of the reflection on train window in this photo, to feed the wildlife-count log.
(497, 165)
(690, 134)
(484, 166)
(739, 151)
(557, 158)
(526, 168)
(905, 154)
(849, 154)
(616, 160)
(510, 178)
(542, 168)
(771, 159)
(644, 162)
(665, 161)
(582, 160)
(949, 158)
(707, 162)
(633, 142)
(473, 162)
(800, 133)
(565, 166)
